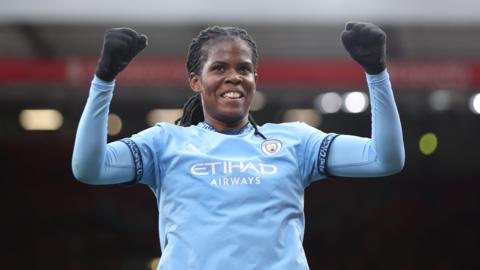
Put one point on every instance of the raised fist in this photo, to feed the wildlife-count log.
(120, 45)
(366, 44)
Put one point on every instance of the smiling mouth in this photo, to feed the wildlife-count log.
(232, 95)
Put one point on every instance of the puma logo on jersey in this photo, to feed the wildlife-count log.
(192, 147)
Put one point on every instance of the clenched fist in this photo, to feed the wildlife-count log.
(366, 44)
(120, 45)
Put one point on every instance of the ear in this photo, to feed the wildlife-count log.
(256, 76)
(194, 82)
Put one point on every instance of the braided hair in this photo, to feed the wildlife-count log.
(196, 57)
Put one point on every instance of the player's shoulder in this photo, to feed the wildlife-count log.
(296, 129)
(165, 126)
(169, 128)
(163, 133)
(287, 126)
(161, 129)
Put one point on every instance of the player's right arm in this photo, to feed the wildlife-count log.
(94, 161)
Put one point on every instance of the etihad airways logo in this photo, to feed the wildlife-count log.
(233, 173)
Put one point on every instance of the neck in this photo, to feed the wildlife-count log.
(223, 126)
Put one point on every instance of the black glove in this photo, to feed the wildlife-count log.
(120, 45)
(366, 44)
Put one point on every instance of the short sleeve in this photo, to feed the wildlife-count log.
(145, 148)
(313, 153)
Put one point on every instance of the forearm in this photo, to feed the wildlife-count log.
(381, 155)
(387, 133)
(93, 161)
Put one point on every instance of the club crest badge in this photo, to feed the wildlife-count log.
(271, 147)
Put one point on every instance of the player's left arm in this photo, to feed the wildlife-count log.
(383, 153)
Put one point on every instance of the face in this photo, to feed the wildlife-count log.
(227, 83)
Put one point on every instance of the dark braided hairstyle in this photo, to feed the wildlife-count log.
(196, 57)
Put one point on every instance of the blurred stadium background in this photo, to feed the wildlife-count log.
(426, 217)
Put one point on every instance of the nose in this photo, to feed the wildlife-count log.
(233, 78)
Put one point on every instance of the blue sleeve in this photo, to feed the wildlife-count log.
(382, 154)
(146, 148)
(96, 162)
(311, 157)
(351, 156)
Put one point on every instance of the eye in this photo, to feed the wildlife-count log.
(245, 69)
(218, 68)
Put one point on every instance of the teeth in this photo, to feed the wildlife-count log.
(232, 95)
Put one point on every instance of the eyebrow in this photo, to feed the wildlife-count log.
(225, 63)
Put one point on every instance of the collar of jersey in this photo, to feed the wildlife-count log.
(245, 129)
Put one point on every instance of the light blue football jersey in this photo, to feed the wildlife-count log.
(234, 200)
(230, 201)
